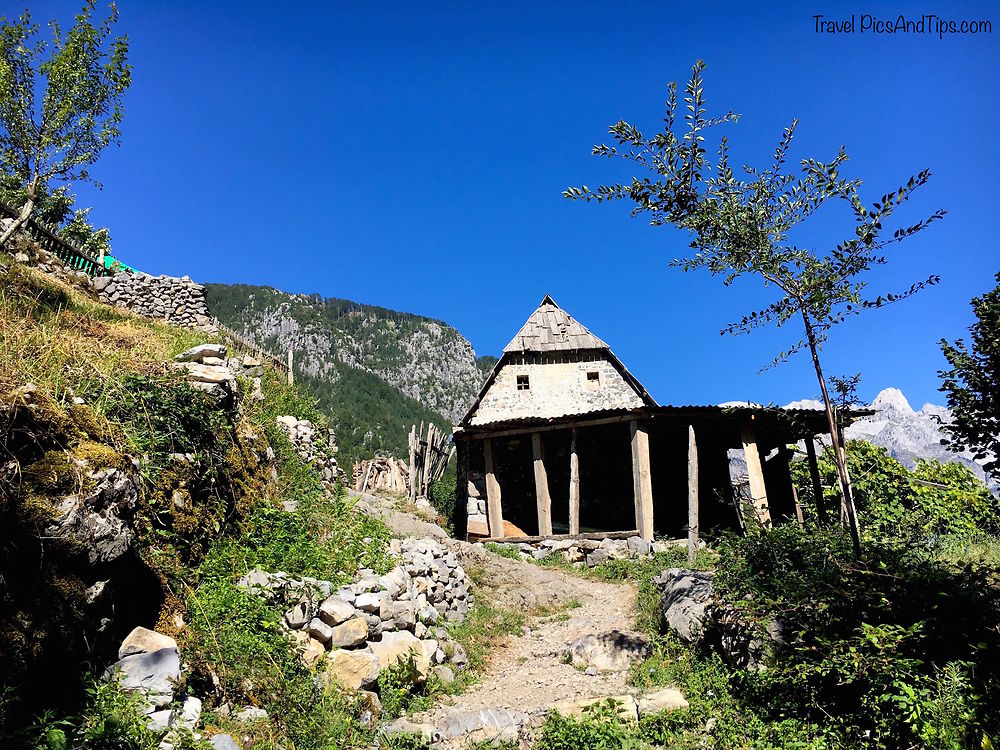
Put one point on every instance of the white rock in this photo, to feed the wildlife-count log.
(142, 640)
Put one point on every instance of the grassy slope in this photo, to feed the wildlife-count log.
(68, 344)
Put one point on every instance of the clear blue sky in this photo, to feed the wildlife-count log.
(414, 158)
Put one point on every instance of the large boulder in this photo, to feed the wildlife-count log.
(686, 598)
(354, 632)
(142, 640)
(97, 518)
(693, 614)
(668, 699)
(353, 669)
(401, 645)
(335, 610)
(200, 352)
(155, 674)
(610, 651)
(223, 742)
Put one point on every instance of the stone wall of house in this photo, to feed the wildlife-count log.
(554, 386)
(176, 300)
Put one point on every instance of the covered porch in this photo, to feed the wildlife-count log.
(662, 470)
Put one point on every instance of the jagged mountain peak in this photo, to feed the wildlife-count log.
(891, 403)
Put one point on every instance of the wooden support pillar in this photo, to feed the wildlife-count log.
(291, 377)
(817, 485)
(542, 499)
(755, 472)
(574, 485)
(692, 494)
(642, 485)
(460, 518)
(494, 510)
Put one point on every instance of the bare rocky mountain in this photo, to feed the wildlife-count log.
(423, 358)
(908, 435)
(374, 371)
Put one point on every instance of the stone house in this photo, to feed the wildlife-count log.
(563, 439)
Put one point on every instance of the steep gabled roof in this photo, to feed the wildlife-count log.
(551, 329)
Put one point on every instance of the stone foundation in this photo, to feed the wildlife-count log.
(589, 552)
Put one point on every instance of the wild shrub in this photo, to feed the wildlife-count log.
(886, 651)
(599, 728)
(395, 687)
(932, 500)
(504, 550)
(443, 491)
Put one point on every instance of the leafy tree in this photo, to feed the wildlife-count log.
(973, 383)
(84, 235)
(741, 226)
(56, 209)
(82, 76)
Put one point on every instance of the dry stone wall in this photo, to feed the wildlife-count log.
(367, 626)
(176, 300)
(304, 438)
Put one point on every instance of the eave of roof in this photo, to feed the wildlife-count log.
(813, 419)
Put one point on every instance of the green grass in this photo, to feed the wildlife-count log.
(232, 520)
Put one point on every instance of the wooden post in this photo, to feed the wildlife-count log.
(428, 458)
(494, 509)
(816, 483)
(574, 485)
(755, 472)
(692, 494)
(798, 508)
(642, 484)
(291, 378)
(364, 485)
(412, 474)
(542, 499)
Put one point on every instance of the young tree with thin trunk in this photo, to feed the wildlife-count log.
(972, 384)
(61, 101)
(740, 226)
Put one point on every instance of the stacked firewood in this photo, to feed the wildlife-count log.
(381, 473)
(429, 457)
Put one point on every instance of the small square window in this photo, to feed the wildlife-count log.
(593, 379)
(522, 383)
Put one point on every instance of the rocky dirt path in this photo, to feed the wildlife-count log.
(527, 675)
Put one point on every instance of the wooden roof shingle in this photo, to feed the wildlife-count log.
(551, 329)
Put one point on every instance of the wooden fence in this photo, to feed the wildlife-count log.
(245, 345)
(429, 457)
(80, 260)
(73, 256)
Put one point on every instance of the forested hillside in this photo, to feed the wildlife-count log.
(374, 371)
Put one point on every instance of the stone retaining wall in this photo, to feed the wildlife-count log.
(176, 300)
(365, 627)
